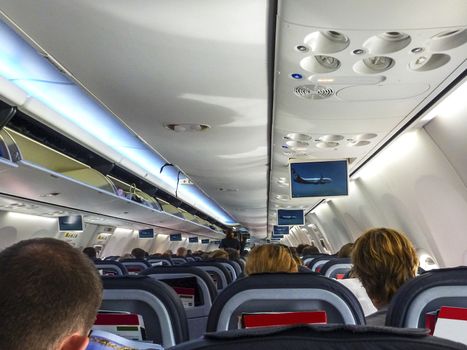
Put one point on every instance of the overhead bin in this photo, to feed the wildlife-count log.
(40, 173)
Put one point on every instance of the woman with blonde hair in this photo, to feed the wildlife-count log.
(270, 258)
(383, 259)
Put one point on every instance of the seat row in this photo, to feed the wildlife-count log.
(223, 272)
(167, 322)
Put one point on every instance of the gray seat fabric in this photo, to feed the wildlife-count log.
(205, 292)
(336, 266)
(426, 293)
(283, 292)
(160, 262)
(135, 266)
(110, 267)
(161, 309)
(216, 270)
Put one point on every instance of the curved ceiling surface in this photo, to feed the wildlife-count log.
(154, 63)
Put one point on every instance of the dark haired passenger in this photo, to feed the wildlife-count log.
(138, 253)
(233, 254)
(230, 241)
(300, 249)
(345, 251)
(90, 252)
(383, 259)
(49, 297)
(310, 250)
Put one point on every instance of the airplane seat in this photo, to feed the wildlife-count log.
(190, 259)
(334, 337)
(112, 257)
(160, 261)
(284, 292)
(197, 258)
(160, 307)
(178, 261)
(237, 266)
(318, 263)
(426, 293)
(307, 259)
(135, 266)
(218, 272)
(242, 263)
(204, 292)
(110, 268)
(336, 268)
(229, 265)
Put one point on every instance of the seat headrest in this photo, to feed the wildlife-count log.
(334, 337)
(286, 281)
(404, 298)
(184, 269)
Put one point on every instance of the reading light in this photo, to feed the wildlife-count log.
(347, 80)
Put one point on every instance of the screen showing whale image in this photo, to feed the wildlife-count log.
(193, 239)
(280, 230)
(290, 217)
(319, 179)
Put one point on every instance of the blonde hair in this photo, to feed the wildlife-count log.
(383, 259)
(218, 254)
(270, 258)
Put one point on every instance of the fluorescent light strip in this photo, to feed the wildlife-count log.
(28, 70)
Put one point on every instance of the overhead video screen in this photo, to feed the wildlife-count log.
(176, 237)
(280, 230)
(70, 223)
(290, 217)
(193, 239)
(146, 233)
(319, 179)
(205, 241)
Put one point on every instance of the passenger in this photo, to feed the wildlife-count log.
(233, 254)
(230, 241)
(300, 249)
(49, 297)
(301, 267)
(138, 253)
(383, 259)
(218, 254)
(310, 250)
(90, 252)
(345, 251)
(270, 258)
(167, 254)
(181, 252)
(189, 252)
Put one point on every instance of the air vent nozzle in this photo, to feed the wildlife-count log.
(313, 92)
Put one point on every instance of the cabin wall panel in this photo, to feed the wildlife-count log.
(15, 227)
(412, 187)
(118, 242)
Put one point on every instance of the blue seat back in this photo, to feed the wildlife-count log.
(110, 268)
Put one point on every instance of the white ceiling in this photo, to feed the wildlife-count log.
(153, 62)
